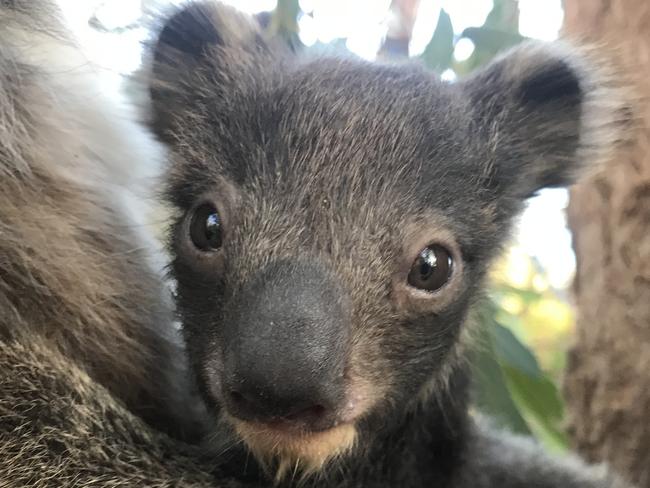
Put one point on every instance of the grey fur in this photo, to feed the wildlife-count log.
(75, 264)
(80, 304)
(86, 334)
(341, 170)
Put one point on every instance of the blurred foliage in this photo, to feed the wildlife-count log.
(284, 21)
(499, 31)
(509, 383)
(438, 54)
(524, 325)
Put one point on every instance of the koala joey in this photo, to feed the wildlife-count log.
(335, 220)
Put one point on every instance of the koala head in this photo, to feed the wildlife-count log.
(335, 217)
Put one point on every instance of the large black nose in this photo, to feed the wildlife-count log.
(284, 347)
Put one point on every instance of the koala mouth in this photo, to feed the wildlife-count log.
(283, 447)
(301, 443)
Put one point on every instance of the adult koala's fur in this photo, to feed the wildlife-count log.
(307, 191)
(87, 347)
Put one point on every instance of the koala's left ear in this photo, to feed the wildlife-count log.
(199, 41)
(545, 110)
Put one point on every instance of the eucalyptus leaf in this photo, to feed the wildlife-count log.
(491, 40)
(538, 394)
(499, 31)
(439, 51)
(504, 16)
(510, 386)
(539, 402)
(490, 391)
(511, 353)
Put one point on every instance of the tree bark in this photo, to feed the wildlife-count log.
(607, 382)
(400, 28)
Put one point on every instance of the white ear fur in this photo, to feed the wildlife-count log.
(607, 113)
(551, 111)
(605, 108)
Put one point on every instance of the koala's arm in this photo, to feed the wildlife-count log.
(495, 458)
(59, 428)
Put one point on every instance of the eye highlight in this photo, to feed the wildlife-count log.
(432, 268)
(206, 230)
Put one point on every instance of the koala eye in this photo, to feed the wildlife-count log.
(205, 228)
(431, 269)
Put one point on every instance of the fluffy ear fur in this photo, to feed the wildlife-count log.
(202, 40)
(546, 110)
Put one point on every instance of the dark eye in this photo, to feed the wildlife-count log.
(432, 268)
(205, 228)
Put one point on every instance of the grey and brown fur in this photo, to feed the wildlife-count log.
(329, 175)
(76, 266)
(88, 351)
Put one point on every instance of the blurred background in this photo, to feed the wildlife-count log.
(528, 320)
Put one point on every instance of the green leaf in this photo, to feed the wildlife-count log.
(440, 49)
(491, 40)
(284, 21)
(539, 395)
(499, 31)
(540, 404)
(504, 16)
(490, 391)
(536, 397)
(510, 352)
(510, 386)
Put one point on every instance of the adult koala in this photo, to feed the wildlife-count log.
(89, 358)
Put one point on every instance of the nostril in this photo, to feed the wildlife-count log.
(246, 406)
(237, 399)
(309, 414)
(315, 416)
(311, 409)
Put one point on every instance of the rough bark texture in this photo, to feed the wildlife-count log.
(608, 378)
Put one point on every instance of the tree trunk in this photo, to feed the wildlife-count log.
(400, 28)
(607, 382)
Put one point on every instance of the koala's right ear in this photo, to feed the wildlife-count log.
(200, 41)
(546, 111)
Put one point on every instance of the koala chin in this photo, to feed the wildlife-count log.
(334, 223)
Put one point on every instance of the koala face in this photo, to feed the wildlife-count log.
(336, 218)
